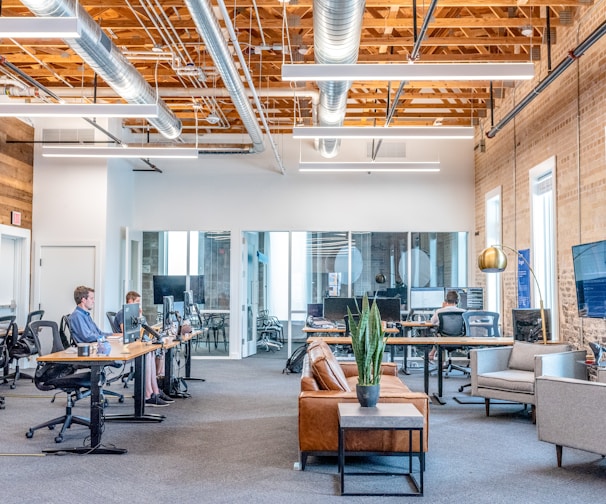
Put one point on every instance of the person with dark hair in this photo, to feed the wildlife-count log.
(81, 324)
(153, 395)
(451, 300)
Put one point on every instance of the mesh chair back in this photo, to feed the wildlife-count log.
(481, 323)
(451, 324)
(46, 336)
(8, 334)
(111, 316)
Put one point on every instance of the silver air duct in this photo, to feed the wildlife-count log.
(105, 59)
(337, 32)
(208, 27)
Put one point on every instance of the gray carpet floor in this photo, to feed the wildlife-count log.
(235, 440)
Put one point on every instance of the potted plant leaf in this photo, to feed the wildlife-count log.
(368, 343)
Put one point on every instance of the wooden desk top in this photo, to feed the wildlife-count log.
(118, 353)
(424, 340)
(341, 330)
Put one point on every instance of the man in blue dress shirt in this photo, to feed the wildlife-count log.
(81, 324)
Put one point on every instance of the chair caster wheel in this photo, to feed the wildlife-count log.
(105, 403)
(59, 439)
(29, 434)
(13, 386)
(51, 427)
(121, 399)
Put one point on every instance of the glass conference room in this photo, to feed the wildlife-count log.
(287, 271)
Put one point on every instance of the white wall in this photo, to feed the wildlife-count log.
(90, 200)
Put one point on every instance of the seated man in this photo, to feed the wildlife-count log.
(153, 395)
(449, 305)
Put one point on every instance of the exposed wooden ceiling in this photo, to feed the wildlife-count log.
(160, 39)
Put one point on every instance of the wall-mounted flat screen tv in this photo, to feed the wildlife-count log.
(589, 261)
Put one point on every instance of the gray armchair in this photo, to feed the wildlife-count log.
(509, 373)
(571, 413)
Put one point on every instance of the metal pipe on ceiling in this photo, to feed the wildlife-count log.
(102, 55)
(337, 32)
(573, 55)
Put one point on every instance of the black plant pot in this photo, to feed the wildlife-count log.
(368, 395)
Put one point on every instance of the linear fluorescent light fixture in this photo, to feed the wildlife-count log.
(134, 110)
(79, 151)
(391, 132)
(407, 71)
(39, 27)
(365, 167)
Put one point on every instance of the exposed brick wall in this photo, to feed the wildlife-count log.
(567, 121)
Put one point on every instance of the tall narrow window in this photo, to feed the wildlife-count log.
(542, 197)
(492, 212)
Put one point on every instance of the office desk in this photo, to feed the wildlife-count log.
(134, 351)
(428, 342)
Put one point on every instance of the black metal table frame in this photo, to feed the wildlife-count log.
(418, 485)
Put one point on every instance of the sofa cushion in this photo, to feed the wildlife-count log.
(522, 354)
(326, 368)
(512, 380)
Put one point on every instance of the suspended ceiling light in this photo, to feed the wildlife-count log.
(78, 110)
(527, 31)
(212, 118)
(407, 72)
(39, 27)
(367, 167)
(422, 132)
(80, 151)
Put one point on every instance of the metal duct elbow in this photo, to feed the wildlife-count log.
(102, 55)
(337, 31)
(208, 27)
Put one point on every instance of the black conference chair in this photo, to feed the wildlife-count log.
(452, 324)
(58, 376)
(111, 316)
(22, 348)
(8, 332)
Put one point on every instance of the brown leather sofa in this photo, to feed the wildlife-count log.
(325, 382)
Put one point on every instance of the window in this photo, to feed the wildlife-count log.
(492, 216)
(542, 198)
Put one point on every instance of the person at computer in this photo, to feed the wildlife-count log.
(81, 324)
(451, 300)
(153, 395)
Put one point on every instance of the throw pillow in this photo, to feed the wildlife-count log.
(522, 354)
(326, 369)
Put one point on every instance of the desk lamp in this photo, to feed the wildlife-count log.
(494, 260)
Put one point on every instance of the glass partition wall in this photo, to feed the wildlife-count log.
(286, 272)
(205, 257)
(303, 268)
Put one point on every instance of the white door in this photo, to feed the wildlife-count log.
(61, 268)
(14, 272)
(250, 287)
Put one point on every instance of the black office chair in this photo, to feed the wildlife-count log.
(70, 379)
(111, 316)
(452, 324)
(8, 332)
(482, 324)
(22, 348)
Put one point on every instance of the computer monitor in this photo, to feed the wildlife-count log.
(168, 285)
(131, 327)
(527, 324)
(315, 309)
(168, 312)
(470, 298)
(389, 308)
(335, 308)
(426, 298)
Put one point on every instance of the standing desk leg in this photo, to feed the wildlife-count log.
(438, 397)
(426, 368)
(139, 414)
(188, 364)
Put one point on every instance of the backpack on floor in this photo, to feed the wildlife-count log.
(294, 364)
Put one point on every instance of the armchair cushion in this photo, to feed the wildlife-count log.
(513, 380)
(522, 354)
(326, 369)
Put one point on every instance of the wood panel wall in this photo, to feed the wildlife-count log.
(16, 171)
